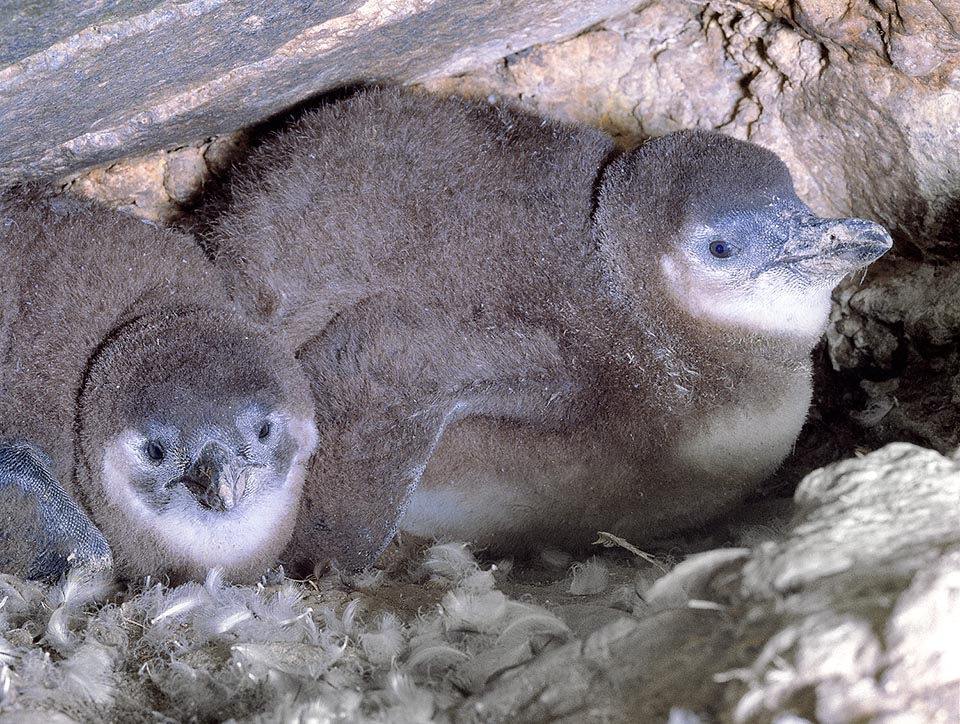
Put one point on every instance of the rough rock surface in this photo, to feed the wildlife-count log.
(86, 82)
(861, 104)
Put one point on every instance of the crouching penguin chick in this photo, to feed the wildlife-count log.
(142, 401)
(515, 335)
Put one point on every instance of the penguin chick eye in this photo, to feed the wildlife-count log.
(723, 249)
(264, 430)
(154, 451)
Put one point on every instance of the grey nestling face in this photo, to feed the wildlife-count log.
(218, 462)
(768, 265)
(728, 236)
(198, 442)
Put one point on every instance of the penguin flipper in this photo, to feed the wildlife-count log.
(374, 442)
(43, 532)
(387, 380)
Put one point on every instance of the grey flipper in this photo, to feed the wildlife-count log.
(43, 532)
(380, 414)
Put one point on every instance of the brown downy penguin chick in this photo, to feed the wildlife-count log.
(515, 339)
(181, 428)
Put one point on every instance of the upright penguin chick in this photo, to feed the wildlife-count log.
(513, 337)
(180, 427)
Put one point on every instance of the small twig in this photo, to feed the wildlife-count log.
(609, 540)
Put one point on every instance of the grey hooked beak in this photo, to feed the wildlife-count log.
(217, 478)
(834, 247)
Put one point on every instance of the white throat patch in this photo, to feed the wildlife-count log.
(206, 538)
(769, 306)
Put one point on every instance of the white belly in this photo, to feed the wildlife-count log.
(492, 482)
(746, 443)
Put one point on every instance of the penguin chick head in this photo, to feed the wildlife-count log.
(195, 431)
(715, 223)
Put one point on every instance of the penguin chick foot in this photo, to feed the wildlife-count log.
(43, 533)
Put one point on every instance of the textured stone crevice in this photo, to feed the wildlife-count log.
(861, 136)
(156, 75)
(861, 99)
(842, 620)
(161, 186)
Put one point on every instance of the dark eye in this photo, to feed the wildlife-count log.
(154, 451)
(264, 430)
(721, 249)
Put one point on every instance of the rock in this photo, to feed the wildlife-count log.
(850, 618)
(854, 516)
(897, 336)
(87, 83)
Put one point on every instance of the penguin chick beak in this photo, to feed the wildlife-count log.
(217, 479)
(834, 247)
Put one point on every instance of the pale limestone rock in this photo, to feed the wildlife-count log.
(827, 88)
(87, 82)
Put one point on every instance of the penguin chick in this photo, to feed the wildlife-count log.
(181, 428)
(516, 338)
